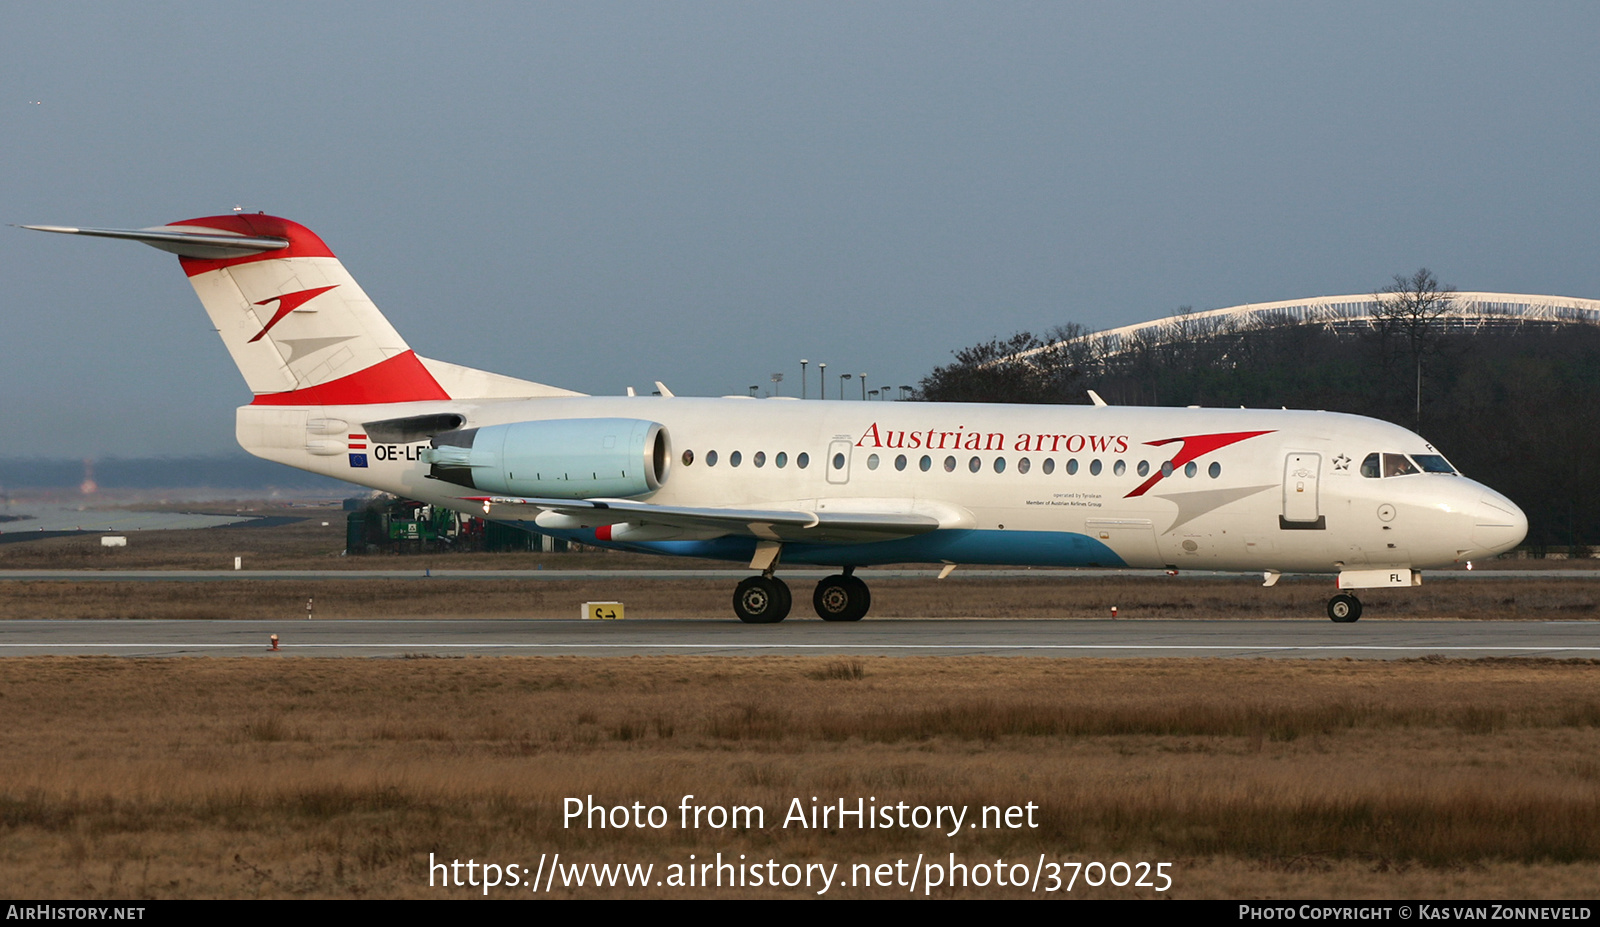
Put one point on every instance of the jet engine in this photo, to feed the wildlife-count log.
(571, 458)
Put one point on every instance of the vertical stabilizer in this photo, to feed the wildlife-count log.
(298, 325)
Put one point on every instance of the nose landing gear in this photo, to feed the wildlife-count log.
(1344, 608)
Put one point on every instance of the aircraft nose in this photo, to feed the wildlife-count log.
(1497, 524)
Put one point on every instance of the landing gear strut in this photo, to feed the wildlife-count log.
(1344, 608)
(841, 597)
(762, 600)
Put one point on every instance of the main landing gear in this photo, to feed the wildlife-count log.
(762, 600)
(1344, 608)
(766, 599)
(841, 597)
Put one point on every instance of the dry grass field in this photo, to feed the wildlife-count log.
(338, 778)
(126, 778)
(1054, 594)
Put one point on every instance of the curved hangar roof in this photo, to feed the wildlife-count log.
(1469, 312)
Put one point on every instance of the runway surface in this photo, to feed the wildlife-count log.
(734, 575)
(1301, 639)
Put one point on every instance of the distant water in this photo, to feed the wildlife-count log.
(251, 476)
(50, 519)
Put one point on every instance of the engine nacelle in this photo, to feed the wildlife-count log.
(570, 458)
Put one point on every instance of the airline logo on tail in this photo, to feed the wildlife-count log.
(288, 303)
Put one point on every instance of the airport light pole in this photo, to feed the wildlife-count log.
(863, 387)
(777, 384)
(842, 377)
(822, 381)
(803, 363)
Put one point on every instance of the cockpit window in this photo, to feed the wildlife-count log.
(1398, 465)
(1382, 465)
(1433, 463)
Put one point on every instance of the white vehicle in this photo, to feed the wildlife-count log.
(339, 392)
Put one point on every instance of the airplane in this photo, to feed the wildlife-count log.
(337, 391)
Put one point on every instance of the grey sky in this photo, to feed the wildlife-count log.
(600, 195)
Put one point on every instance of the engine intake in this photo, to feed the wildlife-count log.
(573, 458)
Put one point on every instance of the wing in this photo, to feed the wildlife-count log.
(764, 524)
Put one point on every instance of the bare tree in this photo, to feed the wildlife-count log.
(1413, 309)
(1022, 368)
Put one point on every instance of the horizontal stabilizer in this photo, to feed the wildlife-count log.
(190, 241)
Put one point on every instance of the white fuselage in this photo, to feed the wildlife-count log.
(1049, 485)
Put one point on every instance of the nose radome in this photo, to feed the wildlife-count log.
(1498, 524)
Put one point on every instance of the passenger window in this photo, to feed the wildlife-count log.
(1144, 468)
(1120, 467)
(872, 462)
(1023, 465)
(1072, 466)
(688, 458)
(949, 465)
(1166, 468)
(1397, 465)
(1190, 469)
(782, 460)
(838, 461)
(801, 460)
(1049, 465)
(734, 458)
(999, 465)
(1369, 467)
(1215, 469)
(1094, 467)
(900, 462)
(760, 459)
(711, 458)
(926, 463)
(974, 465)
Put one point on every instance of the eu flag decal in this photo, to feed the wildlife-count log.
(358, 460)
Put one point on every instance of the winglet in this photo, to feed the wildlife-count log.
(1094, 397)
